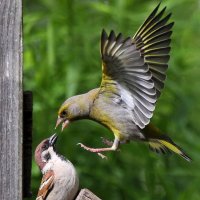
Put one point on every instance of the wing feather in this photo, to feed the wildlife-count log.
(136, 67)
(153, 41)
(46, 185)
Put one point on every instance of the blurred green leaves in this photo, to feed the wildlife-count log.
(61, 59)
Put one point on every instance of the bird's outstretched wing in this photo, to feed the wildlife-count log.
(46, 185)
(153, 41)
(135, 67)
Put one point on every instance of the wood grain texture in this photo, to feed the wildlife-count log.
(10, 100)
(86, 194)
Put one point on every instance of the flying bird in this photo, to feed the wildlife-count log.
(133, 75)
(60, 180)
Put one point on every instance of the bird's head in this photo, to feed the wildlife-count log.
(64, 115)
(45, 151)
(72, 109)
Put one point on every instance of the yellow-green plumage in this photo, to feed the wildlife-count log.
(161, 143)
(133, 75)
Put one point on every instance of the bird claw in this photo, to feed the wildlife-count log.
(92, 150)
(83, 146)
(102, 156)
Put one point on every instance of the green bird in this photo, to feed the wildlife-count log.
(133, 75)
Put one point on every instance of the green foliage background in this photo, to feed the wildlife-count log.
(61, 59)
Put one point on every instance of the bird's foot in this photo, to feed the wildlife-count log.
(114, 147)
(96, 150)
(107, 142)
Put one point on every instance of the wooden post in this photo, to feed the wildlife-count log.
(86, 194)
(10, 100)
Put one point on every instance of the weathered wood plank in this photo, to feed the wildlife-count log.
(86, 194)
(10, 100)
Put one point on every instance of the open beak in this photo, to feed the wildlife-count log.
(64, 122)
(53, 139)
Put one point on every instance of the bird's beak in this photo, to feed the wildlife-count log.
(64, 122)
(53, 139)
(59, 121)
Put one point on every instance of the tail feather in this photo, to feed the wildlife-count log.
(155, 146)
(164, 145)
(161, 143)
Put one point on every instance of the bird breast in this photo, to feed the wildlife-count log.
(113, 113)
(66, 182)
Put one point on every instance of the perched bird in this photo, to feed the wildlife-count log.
(60, 180)
(133, 75)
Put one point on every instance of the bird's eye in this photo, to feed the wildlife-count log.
(64, 113)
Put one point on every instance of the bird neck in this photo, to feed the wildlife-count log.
(81, 110)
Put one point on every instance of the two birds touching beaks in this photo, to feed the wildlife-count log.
(133, 75)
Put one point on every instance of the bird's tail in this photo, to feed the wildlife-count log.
(164, 144)
(161, 143)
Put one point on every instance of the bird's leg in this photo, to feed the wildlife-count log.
(110, 143)
(114, 147)
(107, 142)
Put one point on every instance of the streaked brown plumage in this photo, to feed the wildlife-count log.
(134, 71)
